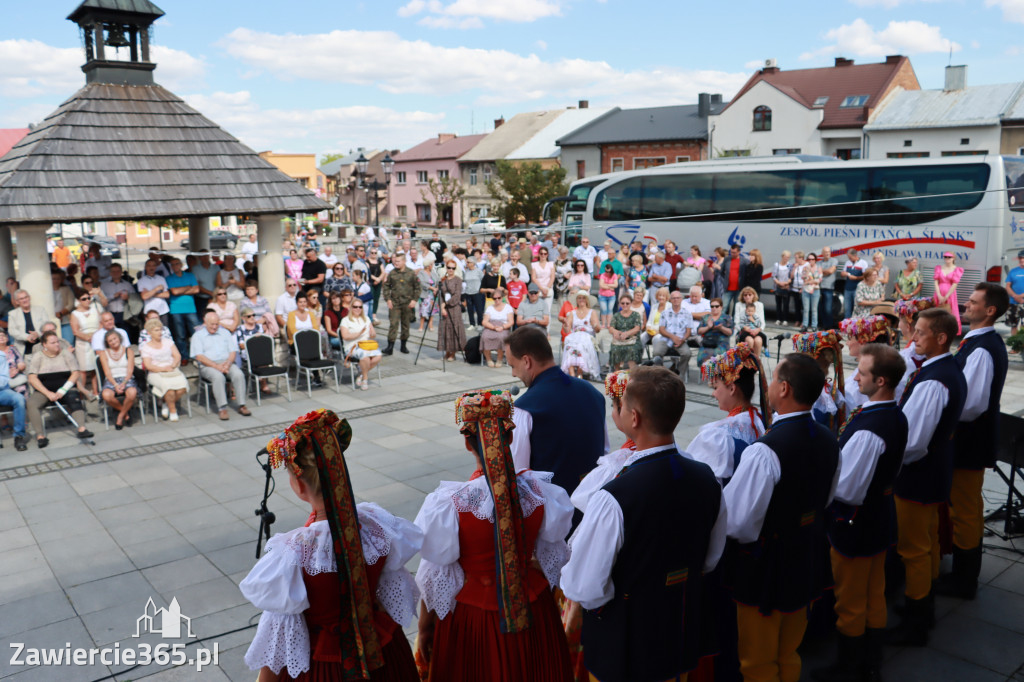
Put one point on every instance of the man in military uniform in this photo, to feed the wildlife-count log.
(401, 291)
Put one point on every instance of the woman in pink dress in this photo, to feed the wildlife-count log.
(947, 276)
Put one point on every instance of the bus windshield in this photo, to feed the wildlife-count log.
(580, 193)
(1014, 166)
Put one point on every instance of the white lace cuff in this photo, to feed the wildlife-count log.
(398, 595)
(552, 557)
(439, 585)
(281, 641)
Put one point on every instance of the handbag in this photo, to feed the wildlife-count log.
(369, 344)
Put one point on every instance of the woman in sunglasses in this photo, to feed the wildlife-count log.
(451, 337)
(360, 339)
(85, 321)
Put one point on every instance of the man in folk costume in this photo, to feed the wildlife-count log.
(776, 500)
(731, 376)
(862, 523)
(826, 348)
(640, 586)
(335, 593)
(983, 360)
(560, 423)
(493, 550)
(932, 403)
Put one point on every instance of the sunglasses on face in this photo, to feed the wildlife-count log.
(715, 305)
(249, 316)
(449, 268)
(357, 307)
(85, 298)
(222, 293)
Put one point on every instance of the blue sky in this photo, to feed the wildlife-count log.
(319, 76)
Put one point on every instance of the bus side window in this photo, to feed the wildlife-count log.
(620, 201)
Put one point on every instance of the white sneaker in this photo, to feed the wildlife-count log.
(164, 412)
(174, 417)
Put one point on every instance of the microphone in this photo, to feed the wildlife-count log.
(780, 337)
(514, 390)
(657, 360)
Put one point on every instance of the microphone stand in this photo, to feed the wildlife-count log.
(267, 517)
(778, 347)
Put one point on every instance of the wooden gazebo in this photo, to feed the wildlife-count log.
(125, 148)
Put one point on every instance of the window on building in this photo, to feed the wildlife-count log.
(423, 213)
(851, 101)
(821, 101)
(907, 155)
(847, 154)
(785, 152)
(616, 165)
(964, 152)
(403, 211)
(487, 174)
(442, 175)
(303, 181)
(648, 162)
(762, 118)
(965, 140)
(362, 214)
(400, 177)
(472, 175)
(736, 152)
(581, 169)
(682, 159)
(908, 143)
(421, 177)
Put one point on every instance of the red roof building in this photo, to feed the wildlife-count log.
(10, 137)
(807, 111)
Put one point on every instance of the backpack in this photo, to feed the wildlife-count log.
(472, 351)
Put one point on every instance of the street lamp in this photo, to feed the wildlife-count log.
(387, 164)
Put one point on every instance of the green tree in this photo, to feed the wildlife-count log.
(524, 188)
(332, 156)
(176, 225)
(443, 194)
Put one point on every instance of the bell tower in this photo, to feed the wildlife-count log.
(115, 34)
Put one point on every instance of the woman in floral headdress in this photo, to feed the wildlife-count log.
(333, 609)
(732, 377)
(827, 348)
(488, 611)
(876, 329)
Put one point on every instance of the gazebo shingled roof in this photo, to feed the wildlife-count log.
(117, 152)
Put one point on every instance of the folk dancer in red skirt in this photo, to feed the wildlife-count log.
(334, 593)
(494, 548)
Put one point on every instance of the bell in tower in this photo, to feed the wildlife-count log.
(109, 26)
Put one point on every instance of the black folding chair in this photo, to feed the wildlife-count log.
(259, 362)
(309, 358)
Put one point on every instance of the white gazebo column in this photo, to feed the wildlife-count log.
(199, 234)
(270, 236)
(34, 266)
(231, 223)
(6, 253)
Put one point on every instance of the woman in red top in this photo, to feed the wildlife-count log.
(488, 611)
(332, 610)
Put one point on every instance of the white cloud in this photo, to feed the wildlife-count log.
(470, 13)
(1013, 10)
(29, 68)
(312, 130)
(975, 45)
(500, 76)
(540, 45)
(755, 64)
(899, 37)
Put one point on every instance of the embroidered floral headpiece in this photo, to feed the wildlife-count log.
(729, 364)
(615, 384)
(812, 343)
(865, 329)
(908, 309)
(475, 406)
(284, 448)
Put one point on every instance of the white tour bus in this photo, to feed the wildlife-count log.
(970, 205)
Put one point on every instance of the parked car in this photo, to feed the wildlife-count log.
(219, 239)
(487, 225)
(108, 245)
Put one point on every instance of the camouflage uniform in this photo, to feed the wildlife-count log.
(400, 288)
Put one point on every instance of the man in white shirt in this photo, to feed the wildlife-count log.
(328, 257)
(413, 260)
(586, 253)
(117, 291)
(513, 262)
(250, 248)
(286, 303)
(698, 307)
(153, 289)
(636, 590)
(107, 324)
(156, 258)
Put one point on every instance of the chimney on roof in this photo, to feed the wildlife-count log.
(584, 104)
(703, 104)
(445, 137)
(498, 122)
(893, 58)
(956, 78)
(843, 61)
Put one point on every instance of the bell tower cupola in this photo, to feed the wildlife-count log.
(115, 34)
